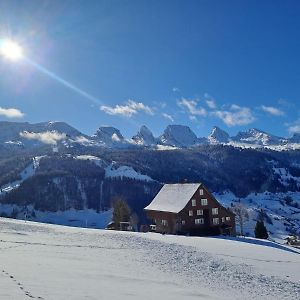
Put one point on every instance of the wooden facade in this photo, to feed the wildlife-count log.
(201, 215)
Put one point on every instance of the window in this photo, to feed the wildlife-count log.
(193, 202)
(214, 211)
(199, 212)
(164, 222)
(203, 201)
(201, 192)
(223, 219)
(183, 222)
(190, 213)
(199, 221)
(227, 218)
(215, 221)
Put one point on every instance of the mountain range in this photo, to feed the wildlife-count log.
(14, 134)
(52, 170)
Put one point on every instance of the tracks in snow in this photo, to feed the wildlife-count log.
(20, 286)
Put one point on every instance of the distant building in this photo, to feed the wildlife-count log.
(189, 208)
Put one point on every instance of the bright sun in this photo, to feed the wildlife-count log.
(10, 50)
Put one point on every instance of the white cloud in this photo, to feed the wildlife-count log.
(175, 89)
(211, 103)
(236, 115)
(191, 107)
(167, 116)
(294, 128)
(272, 110)
(47, 137)
(128, 110)
(11, 113)
(193, 118)
(285, 103)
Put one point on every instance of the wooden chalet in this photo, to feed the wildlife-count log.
(189, 208)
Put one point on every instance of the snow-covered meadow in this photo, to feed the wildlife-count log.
(42, 261)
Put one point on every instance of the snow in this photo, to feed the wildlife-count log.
(144, 137)
(108, 136)
(124, 171)
(77, 218)
(173, 197)
(255, 136)
(53, 262)
(283, 217)
(17, 143)
(285, 176)
(173, 137)
(165, 148)
(218, 136)
(25, 174)
(98, 161)
(112, 170)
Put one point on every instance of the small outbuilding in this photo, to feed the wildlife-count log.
(189, 208)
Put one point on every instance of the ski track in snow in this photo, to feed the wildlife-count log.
(55, 262)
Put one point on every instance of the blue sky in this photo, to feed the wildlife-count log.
(234, 64)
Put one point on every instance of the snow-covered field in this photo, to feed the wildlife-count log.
(42, 261)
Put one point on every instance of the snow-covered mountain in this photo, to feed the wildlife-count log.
(295, 138)
(14, 135)
(258, 137)
(60, 127)
(218, 136)
(178, 136)
(108, 136)
(144, 137)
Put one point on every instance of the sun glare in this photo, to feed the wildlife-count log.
(10, 50)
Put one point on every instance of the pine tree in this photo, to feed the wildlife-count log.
(260, 230)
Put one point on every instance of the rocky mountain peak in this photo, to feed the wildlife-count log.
(178, 136)
(144, 136)
(218, 136)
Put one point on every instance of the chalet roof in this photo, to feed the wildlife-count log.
(173, 197)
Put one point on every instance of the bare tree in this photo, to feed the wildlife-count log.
(134, 220)
(121, 211)
(241, 215)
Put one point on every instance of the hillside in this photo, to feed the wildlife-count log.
(73, 183)
(52, 262)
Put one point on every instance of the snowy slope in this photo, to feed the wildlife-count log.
(282, 215)
(25, 174)
(113, 170)
(52, 262)
(124, 171)
(98, 161)
(258, 137)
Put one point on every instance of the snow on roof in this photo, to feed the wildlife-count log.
(173, 197)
